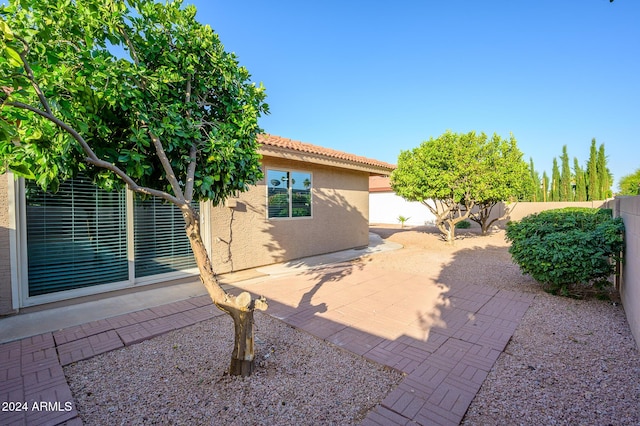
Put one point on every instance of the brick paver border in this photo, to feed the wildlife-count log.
(32, 381)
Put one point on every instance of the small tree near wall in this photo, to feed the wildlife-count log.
(442, 174)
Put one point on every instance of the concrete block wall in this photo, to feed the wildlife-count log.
(628, 208)
(519, 210)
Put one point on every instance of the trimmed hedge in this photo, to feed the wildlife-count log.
(565, 248)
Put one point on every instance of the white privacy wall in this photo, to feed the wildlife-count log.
(385, 207)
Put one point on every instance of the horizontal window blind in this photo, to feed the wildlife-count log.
(75, 237)
(161, 244)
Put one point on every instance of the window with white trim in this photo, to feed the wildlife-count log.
(288, 194)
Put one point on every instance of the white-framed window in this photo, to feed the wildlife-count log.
(288, 194)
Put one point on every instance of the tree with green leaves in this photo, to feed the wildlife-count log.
(455, 173)
(566, 190)
(505, 178)
(581, 184)
(138, 94)
(555, 181)
(630, 184)
(593, 187)
(442, 174)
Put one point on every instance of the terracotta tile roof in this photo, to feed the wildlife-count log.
(379, 184)
(280, 142)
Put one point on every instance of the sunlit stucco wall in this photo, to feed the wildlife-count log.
(243, 237)
(629, 285)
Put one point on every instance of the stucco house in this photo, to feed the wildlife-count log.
(85, 241)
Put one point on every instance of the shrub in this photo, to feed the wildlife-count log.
(464, 224)
(567, 248)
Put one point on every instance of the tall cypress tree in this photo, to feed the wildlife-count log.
(545, 187)
(566, 191)
(593, 189)
(581, 184)
(555, 181)
(536, 194)
(604, 184)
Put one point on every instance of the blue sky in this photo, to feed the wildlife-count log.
(373, 78)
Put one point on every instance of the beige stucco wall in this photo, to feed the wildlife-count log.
(340, 205)
(5, 262)
(629, 209)
(522, 209)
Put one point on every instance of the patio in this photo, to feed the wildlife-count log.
(445, 338)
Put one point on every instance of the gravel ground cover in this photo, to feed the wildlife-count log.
(570, 362)
(178, 378)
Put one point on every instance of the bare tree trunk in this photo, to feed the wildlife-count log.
(242, 358)
(484, 213)
(450, 234)
(448, 230)
(240, 308)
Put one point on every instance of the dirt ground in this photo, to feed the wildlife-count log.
(473, 258)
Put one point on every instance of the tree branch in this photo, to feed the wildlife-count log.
(92, 158)
(191, 173)
(166, 165)
(191, 169)
(31, 77)
(129, 43)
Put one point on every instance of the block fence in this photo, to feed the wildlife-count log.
(628, 208)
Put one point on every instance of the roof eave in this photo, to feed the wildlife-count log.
(272, 151)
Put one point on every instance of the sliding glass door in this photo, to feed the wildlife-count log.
(78, 238)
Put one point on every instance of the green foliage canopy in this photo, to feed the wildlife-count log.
(581, 184)
(455, 172)
(630, 184)
(593, 187)
(139, 89)
(555, 181)
(445, 168)
(505, 175)
(566, 248)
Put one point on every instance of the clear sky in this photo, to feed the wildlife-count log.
(376, 77)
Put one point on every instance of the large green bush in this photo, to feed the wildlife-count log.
(567, 248)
